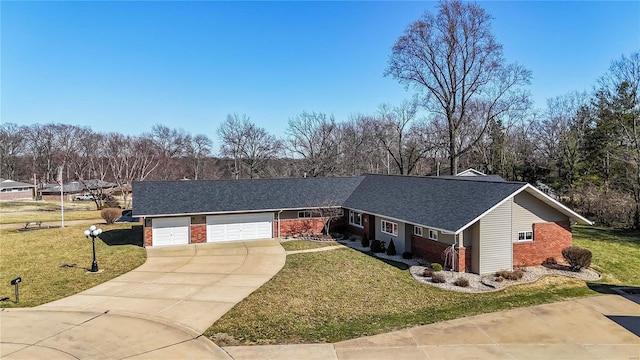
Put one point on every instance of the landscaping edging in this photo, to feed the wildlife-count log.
(486, 283)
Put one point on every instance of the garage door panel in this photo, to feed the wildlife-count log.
(239, 227)
(170, 231)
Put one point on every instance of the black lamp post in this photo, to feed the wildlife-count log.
(93, 232)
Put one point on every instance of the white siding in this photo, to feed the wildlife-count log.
(496, 250)
(528, 210)
(401, 243)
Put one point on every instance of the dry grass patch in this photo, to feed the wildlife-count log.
(48, 216)
(37, 256)
(293, 245)
(337, 295)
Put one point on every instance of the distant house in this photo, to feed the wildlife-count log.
(491, 224)
(15, 190)
(73, 188)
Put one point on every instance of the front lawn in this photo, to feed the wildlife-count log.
(293, 245)
(49, 216)
(342, 294)
(39, 256)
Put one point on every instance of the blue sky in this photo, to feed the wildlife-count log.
(124, 66)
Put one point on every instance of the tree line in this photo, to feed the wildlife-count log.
(471, 108)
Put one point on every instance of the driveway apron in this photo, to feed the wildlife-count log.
(157, 311)
(191, 285)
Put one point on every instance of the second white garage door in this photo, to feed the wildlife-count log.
(239, 227)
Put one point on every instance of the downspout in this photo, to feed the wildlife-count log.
(279, 223)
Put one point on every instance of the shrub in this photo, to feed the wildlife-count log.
(377, 246)
(427, 272)
(438, 278)
(364, 241)
(499, 279)
(391, 250)
(510, 275)
(549, 261)
(462, 282)
(436, 267)
(577, 257)
(407, 255)
(110, 215)
(111, 203)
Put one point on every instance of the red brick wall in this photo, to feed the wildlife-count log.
(18, 195)
(548, 241)
(428, 249)
(291, 227)
(198, 233)
(464, 259)
(148, 236)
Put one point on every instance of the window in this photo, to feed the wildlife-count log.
(525, 236)
(304, 214)
(355, 218)
(417, 230)
(389, 227)
(433, 234)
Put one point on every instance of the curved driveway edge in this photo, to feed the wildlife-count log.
(191, 285)
(598, 327)
(44, 334)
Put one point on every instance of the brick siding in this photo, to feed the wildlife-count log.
(18, 195)
(294, 227)
(198, 233)
(428, 249)
(148, 236)
(548, 241)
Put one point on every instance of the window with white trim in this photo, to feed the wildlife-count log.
(304, 214)
(355, 218)
(433, 234)
(417, 230)
(525, 236)
(389, 227)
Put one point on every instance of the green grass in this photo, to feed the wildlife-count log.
(37, 255)
(293, 245)
(44, 205)
(342, 294)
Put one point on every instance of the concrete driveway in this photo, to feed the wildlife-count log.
(158, 310)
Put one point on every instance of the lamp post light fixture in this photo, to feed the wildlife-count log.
(93, 232)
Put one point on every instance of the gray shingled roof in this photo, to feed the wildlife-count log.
(9, 184)
(193, 197)
(443, 203)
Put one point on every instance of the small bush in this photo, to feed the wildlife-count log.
(577, 257)
(112, 203)
(438, 278)
(510, 275)
(365, 241)
(550, 261)
(462, 282)
(110, 215)
(499, 279)
(436, 267)
(391, 250)
(427, 272)
(377, 246)
(407, 255)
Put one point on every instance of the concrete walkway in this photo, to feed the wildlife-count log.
(326, 248)
(158, 310)
(599, 327)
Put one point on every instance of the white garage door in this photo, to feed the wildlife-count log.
(239, 227)
(171, 231)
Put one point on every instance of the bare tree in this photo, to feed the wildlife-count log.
(453, 59)
(314, 138)
(359, 150)
(328, 212)
(12, 146)
(170, 145)
(232, 134)
(405, 140)
(197, 148)
(259, 149)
